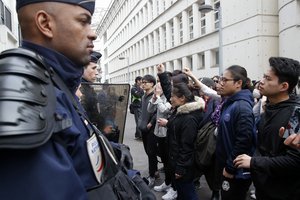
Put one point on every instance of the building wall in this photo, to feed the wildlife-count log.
(149, 32)
(289, 28)
(8, 25)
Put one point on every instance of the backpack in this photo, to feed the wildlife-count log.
(205, 145)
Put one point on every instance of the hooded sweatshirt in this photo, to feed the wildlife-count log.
(236, 132)
(275, 171)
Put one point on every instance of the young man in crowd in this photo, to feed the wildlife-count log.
(275, 168)
(147, 124)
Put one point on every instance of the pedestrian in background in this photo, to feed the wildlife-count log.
(136, 104)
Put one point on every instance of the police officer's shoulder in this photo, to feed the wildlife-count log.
(27, 100)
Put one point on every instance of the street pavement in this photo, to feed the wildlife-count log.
(141, 163)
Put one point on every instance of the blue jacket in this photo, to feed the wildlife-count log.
(236, 132)
(51, 171)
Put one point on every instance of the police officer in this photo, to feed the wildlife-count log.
(47, 149)
(89, 99)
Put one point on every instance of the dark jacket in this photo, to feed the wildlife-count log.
(146, 117)
(236, 132)
(275, 172)
(136, 95)
(165, 82)
(52, 171)
(182, 127)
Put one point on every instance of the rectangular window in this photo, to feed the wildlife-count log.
(217, 58)
(158, 41)
(172, 33)
(165, 37)
(180, 30)
(157, 8)
(202, 22)
(5, 16)
(191, 25)
(216, 13)
(1, 12)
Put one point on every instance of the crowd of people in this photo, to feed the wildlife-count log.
(256, 125)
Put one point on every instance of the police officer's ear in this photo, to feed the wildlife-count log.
(44, 23)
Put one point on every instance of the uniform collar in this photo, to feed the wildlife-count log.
(69, 72)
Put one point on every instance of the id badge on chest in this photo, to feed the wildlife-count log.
(95, 156)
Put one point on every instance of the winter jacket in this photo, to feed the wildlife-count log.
(275, 171)
(146, 117)
(236, 132)
(162, 108)
(183, 126)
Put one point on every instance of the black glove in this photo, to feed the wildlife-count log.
(126, 158)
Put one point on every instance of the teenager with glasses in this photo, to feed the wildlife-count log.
(236, 132)
(147, 124)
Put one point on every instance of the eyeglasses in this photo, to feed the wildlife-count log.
(216, 81)
(224, 80)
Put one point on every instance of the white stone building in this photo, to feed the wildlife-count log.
(9, 33)
(136, 35)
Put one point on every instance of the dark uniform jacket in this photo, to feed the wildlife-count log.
(52, 171)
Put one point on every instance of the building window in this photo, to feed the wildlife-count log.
(165, 37)
(217, 58)
(5, 16)
(180, 30)
(157, 7)
(158, 40)
(191, 26)
(216, 13)
(152, 44)
(202, 22)
(202, 60)
(190, 62)
(172, 33)
(2, 12)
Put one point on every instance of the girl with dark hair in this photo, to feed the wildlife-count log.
(236, 132)
(182, 127)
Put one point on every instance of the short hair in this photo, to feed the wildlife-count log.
(138, 78)
(239, 73)
(286, 69)
(149, 78)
